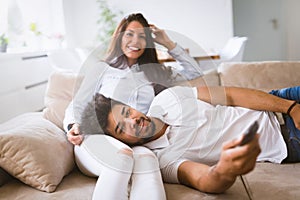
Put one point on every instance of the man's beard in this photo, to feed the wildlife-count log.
(150, 135)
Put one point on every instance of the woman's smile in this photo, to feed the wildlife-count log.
(132, 48)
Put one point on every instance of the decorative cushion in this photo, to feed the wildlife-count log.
(59, 93)
(35, 151)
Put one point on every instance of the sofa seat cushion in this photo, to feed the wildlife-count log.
(35, 151)
(274, 181)
(74, 186)
(77, 186)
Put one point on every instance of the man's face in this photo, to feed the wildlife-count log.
(129, 125)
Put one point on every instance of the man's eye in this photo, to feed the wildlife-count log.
(127, 113)
(120, 131)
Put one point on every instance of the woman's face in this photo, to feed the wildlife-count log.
(133, 42)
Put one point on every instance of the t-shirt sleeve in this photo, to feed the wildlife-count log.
(170, 172)
(165, 102)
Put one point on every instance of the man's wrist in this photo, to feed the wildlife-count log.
(292, 106)
(220, 174)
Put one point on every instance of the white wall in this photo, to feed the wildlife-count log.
(80, 22)
(268, 40)
(293, 29)
(207, 23)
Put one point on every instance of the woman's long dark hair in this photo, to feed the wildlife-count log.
(156, 73)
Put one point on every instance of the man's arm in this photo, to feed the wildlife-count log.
(248, 98)
(234, 161)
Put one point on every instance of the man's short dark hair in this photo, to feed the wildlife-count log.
(103, 106)
(88, 120)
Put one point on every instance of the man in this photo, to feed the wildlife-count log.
(196, 132)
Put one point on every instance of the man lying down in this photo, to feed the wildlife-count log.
(197, 133)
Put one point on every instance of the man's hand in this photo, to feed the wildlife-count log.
(238, 160)
(235, 160)
(74, 135)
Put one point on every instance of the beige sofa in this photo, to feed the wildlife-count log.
(33, 148)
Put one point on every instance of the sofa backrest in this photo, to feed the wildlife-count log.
(260, 75)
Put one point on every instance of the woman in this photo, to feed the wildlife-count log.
(131, 74)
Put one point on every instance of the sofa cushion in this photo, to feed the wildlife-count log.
(35, 151)
(60, 90)
(265, 76)
(273, 181)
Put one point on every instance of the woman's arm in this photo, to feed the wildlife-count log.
(92, 76)
(162, 38)
(190, 67)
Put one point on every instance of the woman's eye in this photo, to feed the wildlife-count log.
(142, 36)
(129, 34)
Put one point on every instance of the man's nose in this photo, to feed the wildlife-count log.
(132, 122)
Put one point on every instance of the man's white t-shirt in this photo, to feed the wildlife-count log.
(198, 129)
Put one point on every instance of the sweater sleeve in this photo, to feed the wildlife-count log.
(190, 68)
(92, 79)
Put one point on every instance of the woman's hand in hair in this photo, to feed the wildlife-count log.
(162, 38)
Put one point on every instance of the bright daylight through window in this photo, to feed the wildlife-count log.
(32, 25)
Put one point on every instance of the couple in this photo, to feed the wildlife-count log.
(196, 131)
(132, 64)
(132, 74)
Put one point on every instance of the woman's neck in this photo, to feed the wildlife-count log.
(131, 62)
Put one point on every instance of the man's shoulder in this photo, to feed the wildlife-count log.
(177, 91)
(169, 99)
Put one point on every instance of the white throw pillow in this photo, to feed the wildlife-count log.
(35, 151)
(60, 90)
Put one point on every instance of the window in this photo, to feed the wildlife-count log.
(32, 25)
